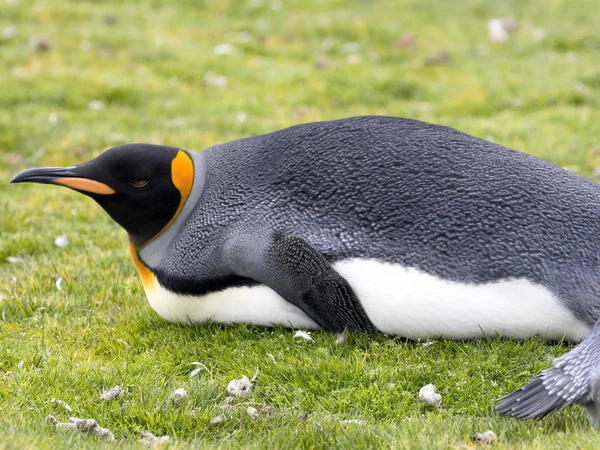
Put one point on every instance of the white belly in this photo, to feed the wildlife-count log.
(399, 301)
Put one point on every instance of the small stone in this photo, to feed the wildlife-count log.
(406, 40)
(353, 59)
(218, 420)
(240, 387)
(178, 396)
(496, 31)
(539, 34)
(437, 60)
(322, 62)
(40, 45)
(109, 19)
(267, 410)
(89, 426)
(485, 438)
(149, 440)
(252, 412)
(61, 241)
(113, 394)
(223, 49)
(96, 105)
(510, 23)
(8, 33)
(428, 395)
(213, 80)
(303, 335)
(62, 404)
(50, 419)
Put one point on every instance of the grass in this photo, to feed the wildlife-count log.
(146, 62)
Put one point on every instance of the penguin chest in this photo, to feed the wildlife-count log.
(257, 305)
(398, 300)
(408, 302)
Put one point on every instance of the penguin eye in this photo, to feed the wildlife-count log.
(139, 183)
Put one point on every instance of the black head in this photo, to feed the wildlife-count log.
(141, 186)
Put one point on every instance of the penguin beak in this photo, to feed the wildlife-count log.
(66, 176)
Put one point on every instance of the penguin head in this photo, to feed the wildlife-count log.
(142, 187)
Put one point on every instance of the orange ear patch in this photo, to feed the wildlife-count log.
(182, 173)
(84, 184)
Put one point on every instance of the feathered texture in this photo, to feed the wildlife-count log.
(572, 378)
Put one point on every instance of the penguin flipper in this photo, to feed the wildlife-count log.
(302, 276)
(569, 380)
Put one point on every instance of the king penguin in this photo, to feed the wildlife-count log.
(365, 224)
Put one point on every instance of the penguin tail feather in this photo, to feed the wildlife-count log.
(532, 401)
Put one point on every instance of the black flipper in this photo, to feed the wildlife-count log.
(569, 380)
(301, 275)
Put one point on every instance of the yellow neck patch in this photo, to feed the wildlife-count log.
(146, 275)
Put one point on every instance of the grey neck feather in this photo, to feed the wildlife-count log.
(153, 252)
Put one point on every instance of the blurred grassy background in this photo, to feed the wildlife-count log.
(77, 77)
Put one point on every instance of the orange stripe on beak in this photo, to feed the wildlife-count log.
(85, 184)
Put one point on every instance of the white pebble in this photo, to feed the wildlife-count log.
(496, 31)
(252, 412)
(113, 394)
(217, 420)
(240, 387)
(241, 117)
(486, 438)
(213, 80)
(149, 440)
(304, 335)
(428, 395)
(59, 283)
(9, 33)
(96, 105)
(539, 34)
(61, 403)
(178, 395)
(223, 49)
(89, 426)
(61, 241)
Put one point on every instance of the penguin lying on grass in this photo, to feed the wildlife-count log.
(366, 224)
